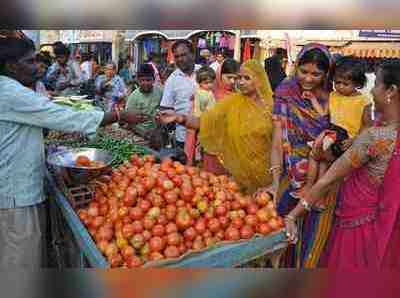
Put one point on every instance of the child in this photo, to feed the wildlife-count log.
(202, 101)
(349, 112)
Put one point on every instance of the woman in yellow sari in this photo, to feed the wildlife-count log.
(238, 129)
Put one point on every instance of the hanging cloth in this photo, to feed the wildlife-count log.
(170, 55)
(247, 50)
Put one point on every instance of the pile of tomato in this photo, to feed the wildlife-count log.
(146, 211)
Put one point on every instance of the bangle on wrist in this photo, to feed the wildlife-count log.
(305, 204)
(290, 218)
(274, 169)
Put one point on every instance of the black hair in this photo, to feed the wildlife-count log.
(341, 136)
(230, 66)
(185, 42)
(60, 49)
(351, 69)
(391, 73)
(318, 57)
(145, 70)
(13, 46)
(205, 73)
(281, 52)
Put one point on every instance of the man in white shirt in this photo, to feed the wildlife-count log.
(181, 85)
(218, 62)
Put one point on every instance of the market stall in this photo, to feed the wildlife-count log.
(214, 41)
(225, 256)
(151, 214)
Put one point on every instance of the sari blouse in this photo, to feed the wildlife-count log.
(373, 148)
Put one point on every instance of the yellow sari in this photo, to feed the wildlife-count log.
(239, 132)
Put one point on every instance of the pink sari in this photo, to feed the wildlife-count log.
(366, 232)
(388, 222)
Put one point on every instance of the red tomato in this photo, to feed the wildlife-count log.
(156, 256)
(145, 205)
(183, 221)
(190, 234)
(158, 230)
(148, 223)
(252, 209)
(137, 226)
(171, 252)
(171, 228)
(264, 228)
(162, 220)
(232, 234)
(170, 212)
(171, 197)
(200, 226)
(128, 252)
(147, 235)
(214, 225)
(246, 232)
(134, 262)
(251, 220)
(237, 223)
(128, 231)
(221, 210)
(224, 221)
(174, 239)
(136, 213)
(156, 244)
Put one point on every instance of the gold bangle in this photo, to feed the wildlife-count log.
(274, 168)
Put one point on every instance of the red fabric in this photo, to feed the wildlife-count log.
(247, 50)
(190, 142)
(212, 164)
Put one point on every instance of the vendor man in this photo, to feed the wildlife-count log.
(23, 115)
(145, 99)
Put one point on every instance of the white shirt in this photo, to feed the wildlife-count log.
(215, 66)
(178, 90)
(86, 68)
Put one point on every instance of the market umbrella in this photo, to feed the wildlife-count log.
(247, 50)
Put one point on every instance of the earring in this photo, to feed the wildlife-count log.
(388, 99)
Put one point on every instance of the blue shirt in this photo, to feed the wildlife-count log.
(23, 114)
(71, 76)
(118, 88)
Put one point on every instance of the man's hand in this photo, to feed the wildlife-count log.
(133, 118)
(167, 116)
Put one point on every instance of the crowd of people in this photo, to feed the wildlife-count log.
(313, 139)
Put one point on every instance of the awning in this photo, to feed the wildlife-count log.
(372, 50)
